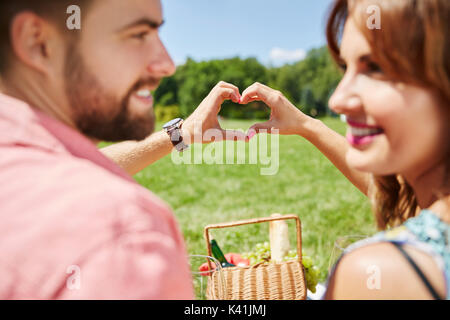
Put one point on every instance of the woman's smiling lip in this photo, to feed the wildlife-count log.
(361, 125)
(361, 134)
(356, 141)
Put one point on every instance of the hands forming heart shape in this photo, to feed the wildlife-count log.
(285, 117)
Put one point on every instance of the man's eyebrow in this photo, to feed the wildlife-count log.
(144, 21)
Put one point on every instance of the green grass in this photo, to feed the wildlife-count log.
(307, 185)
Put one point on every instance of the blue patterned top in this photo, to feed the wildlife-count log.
(425, 232)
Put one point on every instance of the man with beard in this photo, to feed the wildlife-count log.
(74, 224)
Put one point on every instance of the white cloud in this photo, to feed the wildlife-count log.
(180, 62)
(280, 56)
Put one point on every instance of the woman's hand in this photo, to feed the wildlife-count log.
(285, 117)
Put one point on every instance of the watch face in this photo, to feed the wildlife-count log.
(172, 123)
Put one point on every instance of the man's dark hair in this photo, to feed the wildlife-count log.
(52, 10)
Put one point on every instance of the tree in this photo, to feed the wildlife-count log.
(307, 83)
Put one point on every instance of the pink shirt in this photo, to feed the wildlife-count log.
(73, 225)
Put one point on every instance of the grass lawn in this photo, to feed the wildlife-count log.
(306, 184)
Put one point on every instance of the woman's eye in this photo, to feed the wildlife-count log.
(343, 67)
(373, 67)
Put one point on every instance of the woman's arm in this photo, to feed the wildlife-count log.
(334, 147)
(289, 120)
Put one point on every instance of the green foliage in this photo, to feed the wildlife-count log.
(196, 80)
(166, 113)
(167, 92)
(308, 84)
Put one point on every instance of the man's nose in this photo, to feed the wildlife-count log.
(345, 99)
(161, 64)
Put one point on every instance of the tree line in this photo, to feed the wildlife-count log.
(308, 84)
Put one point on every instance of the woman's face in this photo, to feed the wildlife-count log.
(392, 127)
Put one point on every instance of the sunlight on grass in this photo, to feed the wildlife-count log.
(307, 185)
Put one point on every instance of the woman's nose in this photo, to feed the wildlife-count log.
(345, 99)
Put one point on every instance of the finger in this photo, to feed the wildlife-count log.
(252, 99)
(268, 95)
(229, 85)
(223, 84)
(250, 93)
(234, 135)
(266, 127)
(221, 94)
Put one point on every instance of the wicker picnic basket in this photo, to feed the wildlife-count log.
(269, 281)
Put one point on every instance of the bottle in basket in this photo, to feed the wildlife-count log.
(218, 254)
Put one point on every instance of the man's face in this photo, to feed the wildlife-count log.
(112, 67)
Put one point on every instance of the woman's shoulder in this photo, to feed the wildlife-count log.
(379, 271)
(426, 232)
(423, 238)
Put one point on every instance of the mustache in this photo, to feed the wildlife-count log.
(147, 82)
(150, 82)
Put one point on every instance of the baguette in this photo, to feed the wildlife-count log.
(279, 239)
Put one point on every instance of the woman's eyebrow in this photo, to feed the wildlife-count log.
(152, 24)
(365, 58)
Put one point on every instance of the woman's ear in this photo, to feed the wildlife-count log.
(30, 41)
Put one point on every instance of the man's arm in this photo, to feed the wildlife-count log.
(134, 156)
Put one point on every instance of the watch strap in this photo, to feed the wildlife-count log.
(177, 139)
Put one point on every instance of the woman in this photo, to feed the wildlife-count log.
(395, 94)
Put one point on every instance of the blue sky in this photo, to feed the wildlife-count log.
(275, 32)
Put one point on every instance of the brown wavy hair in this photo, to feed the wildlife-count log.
(411, 46)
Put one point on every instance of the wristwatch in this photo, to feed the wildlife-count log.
(173, 129)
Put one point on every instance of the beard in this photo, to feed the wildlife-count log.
(99, 114)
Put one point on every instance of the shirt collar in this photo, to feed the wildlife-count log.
(30, 127)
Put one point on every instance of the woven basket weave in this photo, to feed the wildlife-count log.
(268, 281)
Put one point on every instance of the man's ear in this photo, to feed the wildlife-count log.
(30, 40)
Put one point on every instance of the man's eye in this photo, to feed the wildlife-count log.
(140, 35)
(343, 67)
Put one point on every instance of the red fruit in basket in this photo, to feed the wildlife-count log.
(233, 258)
(243, 262)
(204, 269)
(229, 257)
(237, 260)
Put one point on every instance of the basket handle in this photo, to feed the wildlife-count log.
(253, 221)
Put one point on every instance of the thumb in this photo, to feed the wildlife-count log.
(234, 135)
(263, 127)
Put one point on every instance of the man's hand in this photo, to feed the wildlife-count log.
(204, 118)
(134, 156)
(285, 117)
